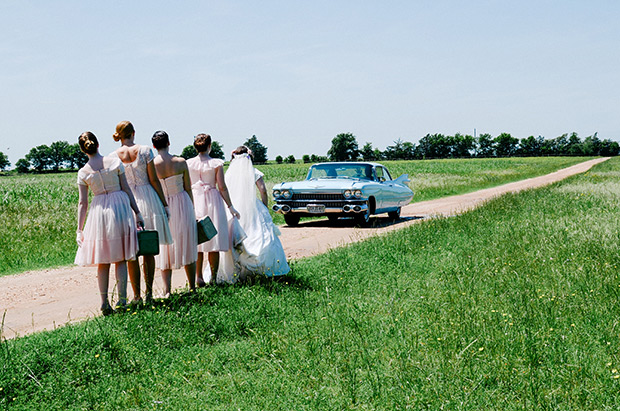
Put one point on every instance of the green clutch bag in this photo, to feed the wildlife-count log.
(148, 242)
(206, 230)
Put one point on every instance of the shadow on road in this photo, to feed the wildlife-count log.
(374, 222)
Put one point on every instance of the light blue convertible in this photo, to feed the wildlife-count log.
(348, 189)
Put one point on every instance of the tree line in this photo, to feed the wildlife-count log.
(344, 147)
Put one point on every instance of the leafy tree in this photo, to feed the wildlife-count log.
(591, 145)
(401, 150)
(22, 165)
(486, 146)
(279, 159)
(531, 146)
(609, 148)
(305, 158)
(462, 146)
(314, 158)
(290, 159)
(434, 146)
(367, 152)
(506, 145)
(74, 156)
(40, 157)
(4, 161)
(189, 152)
(574, 146)
(344, 148)
(217, 150)
(58, 154)
(258, 150)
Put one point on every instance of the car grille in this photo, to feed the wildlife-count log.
(317, 197)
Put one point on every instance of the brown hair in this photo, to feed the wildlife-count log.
(202, 142)
(160, 140)
(88, 143)
(242, 150)
(124, 130)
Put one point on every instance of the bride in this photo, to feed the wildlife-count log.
(256, 249)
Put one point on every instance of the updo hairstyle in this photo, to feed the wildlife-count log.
(202, 142)
(242, 150)
(124, 130)
(160, 140)
(88, 143)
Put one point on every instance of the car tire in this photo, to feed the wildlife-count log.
(291, 220)
(394, 215)
(362, 220)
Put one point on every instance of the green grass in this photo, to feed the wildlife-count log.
(510, 306)
(38, 212)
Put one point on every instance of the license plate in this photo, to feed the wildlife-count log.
(315, 208)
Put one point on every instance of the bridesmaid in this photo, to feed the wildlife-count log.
(210, 194)
(109, 235)
(175, 182)
(146, 188)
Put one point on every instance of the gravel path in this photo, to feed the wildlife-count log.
(39, 300)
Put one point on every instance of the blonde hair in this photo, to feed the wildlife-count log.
(124, 130)
(88, 142)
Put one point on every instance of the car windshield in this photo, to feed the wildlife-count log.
(361, 171)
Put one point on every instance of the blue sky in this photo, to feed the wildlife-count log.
(297, 73)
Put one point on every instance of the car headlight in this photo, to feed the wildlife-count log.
(286, 194)
(357, 193)
(276, 193)
(347, 193)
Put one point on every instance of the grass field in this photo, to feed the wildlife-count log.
(38, 212)
(511, 306)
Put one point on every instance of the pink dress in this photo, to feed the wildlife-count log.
(208, 201)
(182, 225)
(110, 232)
(148, 201)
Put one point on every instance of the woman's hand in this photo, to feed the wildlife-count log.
(79, 238)
(234, 212)
(140, 220)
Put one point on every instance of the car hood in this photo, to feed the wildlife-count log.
(327, 184)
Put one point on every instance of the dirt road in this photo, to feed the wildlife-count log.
(39, 300)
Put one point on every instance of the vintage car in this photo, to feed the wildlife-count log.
(351, 189)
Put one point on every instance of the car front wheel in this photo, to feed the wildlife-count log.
(362, 219)
(394, 215)
(291, 220)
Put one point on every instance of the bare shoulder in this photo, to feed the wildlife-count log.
(179, 163)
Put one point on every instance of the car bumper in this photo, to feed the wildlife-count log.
(319, 208)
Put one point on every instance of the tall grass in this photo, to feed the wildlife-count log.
(38, 211)
(510, 306)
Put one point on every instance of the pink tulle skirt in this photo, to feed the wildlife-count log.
(184, 234)
(153, 212)
(209, 202)
(110, 233)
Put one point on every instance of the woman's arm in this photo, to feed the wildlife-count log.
(260, 184)
(150, 169)
(82, 206)
(187, 183)
(221, 186)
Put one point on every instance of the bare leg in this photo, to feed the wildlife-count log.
(200, 281)
(214, 262)
(103, 279)
(121, 282)
(166, 276)
(190, 270)
(149, 274)
(133, 266)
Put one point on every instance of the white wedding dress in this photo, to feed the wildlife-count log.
(256, 248)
